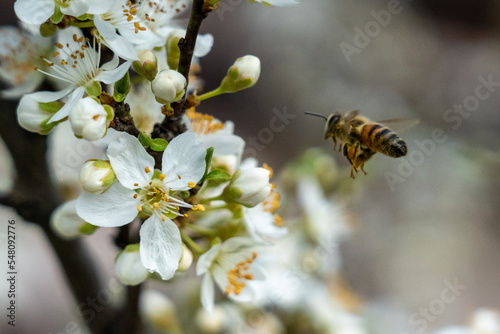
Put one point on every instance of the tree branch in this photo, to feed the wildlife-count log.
(172, 126)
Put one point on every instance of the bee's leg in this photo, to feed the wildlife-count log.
(350, 151)
(334, 143)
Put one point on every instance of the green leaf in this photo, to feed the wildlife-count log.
(144, 139)
(158, 144)
(51, 107)
(218, 175)
(122, 88)
(208, 161)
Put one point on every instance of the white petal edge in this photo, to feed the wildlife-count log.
(113, 76)
(160, 246)
(129, 160)
(73, 99)
(115, 207)
(203, 45)
(207, 293)
(205, 260)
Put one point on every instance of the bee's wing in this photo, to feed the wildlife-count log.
(349, 116)
(400, 125)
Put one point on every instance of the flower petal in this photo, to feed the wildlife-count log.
(236, 244)
(205, 260)
(260, 224)
(160, 246)
(111, 65)
(224, 144)
(34, 11)
(100, 6)
(115, 207)
(106, 29)
(129, 160)
(203, 45)
(46, 96)
(112, 76)
(71, 102)
(122, 47)
(207, 293)
(184, 157)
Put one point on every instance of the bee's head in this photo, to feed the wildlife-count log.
(331, 124)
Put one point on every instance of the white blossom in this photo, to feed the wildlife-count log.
(183, 165)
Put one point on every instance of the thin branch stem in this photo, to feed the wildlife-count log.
(191, 244)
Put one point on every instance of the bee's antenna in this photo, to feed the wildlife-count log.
(317, 115)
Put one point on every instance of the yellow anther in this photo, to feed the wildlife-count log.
(136, 184)
(163, 218)
(201, 207)
(135, 196)
(133, 11)
(63, 62)
(147, 170)
(139, 208)
(55, 54)
(278, 221)
(59, 45)
(248, 276)
(156, 205)
(179, 177)
(161, 177)
(191, 184)
(266, 167)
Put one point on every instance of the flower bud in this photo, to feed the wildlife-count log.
(147, 65)
(89, 119)
(173, 51)
(128, 266)
(168, 86)
(158, 311)
(249, 186)
(33, 116)
(96, 176)
(186, 259)
(65, 222)
(243, 74)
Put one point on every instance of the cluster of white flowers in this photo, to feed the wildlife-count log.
(114, 64)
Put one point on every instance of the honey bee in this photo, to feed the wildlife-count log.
(360, 138)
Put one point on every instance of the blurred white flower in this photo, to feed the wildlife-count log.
(158, 311)
(65, 222)
(128, 266)
(19, 55)
(213, 133)
(77, 64)
(484, 321)
(183, 165)
(144, 108)
(231, 265)
(261, 222)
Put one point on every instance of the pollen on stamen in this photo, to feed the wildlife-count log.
(135, 196)
(139, 208)
(266, 167)
(136, 184)
(161, 177)
(163, 218)
(278, 221)
(201, 207)
(191, 184)
(59, 45)
(147, 170)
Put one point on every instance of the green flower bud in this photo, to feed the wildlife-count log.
(96, 176)
(147, 65)
(243, 74)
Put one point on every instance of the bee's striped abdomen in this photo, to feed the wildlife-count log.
(381, 139)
